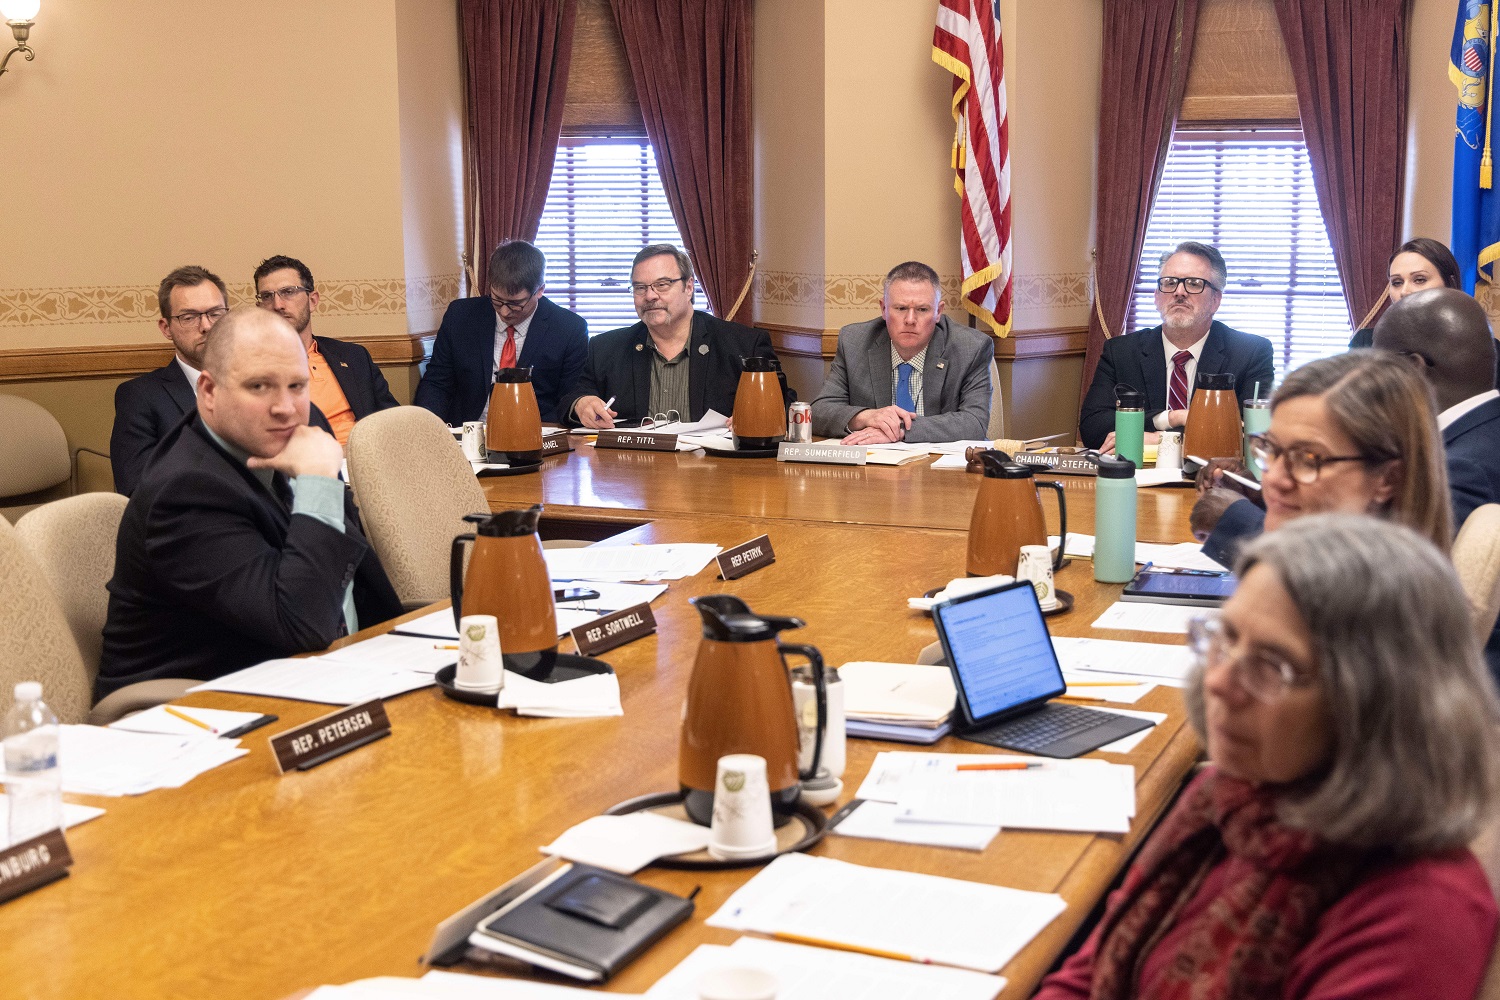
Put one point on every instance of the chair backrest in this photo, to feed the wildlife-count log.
(997, 404)
(73, 541)
(35, 642)
(33, 454)
(1476, 557)
(414, 487)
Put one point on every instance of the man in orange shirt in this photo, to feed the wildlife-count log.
(346, 384)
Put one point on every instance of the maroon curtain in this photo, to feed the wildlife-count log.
(1349, 61)
(517, 54)
(1147, 47)
(690, 60)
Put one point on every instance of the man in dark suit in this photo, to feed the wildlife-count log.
(191, 299)
(240, 543)
(346, 383)
(1163, 361)
(514, 327)
(675, 358)
(910, 375)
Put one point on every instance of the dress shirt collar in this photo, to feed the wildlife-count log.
(188, 370)
(1195, 349)
(1450, 416)
(918, 360)
(240, 455)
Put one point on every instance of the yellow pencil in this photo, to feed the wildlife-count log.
(445, 645)
(188, 718)
(840, 946)
(1103, 684)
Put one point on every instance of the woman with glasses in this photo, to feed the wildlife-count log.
(1353, 433)
(1324, 853)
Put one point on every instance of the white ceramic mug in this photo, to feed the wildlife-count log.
(1035, 565)
(737, 983)
(479, 665)
(741, 826)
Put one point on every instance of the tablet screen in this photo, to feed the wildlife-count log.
(1184, 585)
(1000, 650)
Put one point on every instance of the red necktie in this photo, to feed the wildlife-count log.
(1177, 393)
(508, 352)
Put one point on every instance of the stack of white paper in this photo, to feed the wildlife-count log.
(925, 918)
(99, 761)
(387, 653)
(1148, 616)
(73, 814)
(953, 463)
(873, 820)
(330, 681)
(626, 844)
(804, 973)
(958, 588)
(581, 698)
(1182, 555)
(910, 694)
(1085, 795)
(159, 720)
(440, 985)
(621, 563)
(1148, 663)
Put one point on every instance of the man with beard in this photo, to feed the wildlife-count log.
(346, 384)
(1163, 362)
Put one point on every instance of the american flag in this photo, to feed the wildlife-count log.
(966, 42)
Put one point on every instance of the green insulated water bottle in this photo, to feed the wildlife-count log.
(1130, 424)
(1256, 415)
(1114, 521)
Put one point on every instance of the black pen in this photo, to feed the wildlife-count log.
(251, 726)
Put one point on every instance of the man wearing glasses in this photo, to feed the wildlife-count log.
(1163, 361)
(346, 383)
(191, 300)
(676, 359)
(514, 327)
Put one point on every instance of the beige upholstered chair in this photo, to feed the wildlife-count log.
(35, 642)
(415, 486)
(1476, 556)
(73, 541)
(997, 404)
(34, 462)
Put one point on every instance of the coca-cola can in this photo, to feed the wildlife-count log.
(473, 441)
(799, 423)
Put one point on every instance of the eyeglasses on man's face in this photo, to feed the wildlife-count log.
(1193, 286)
(1264, 675)
(191, 318)
(659, 286)
(510, 305)
(1303, 464)
(286, 294)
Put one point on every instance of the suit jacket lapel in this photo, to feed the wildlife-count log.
(342, 374)
(699, 361)
(640, 371)
(1215, 351)
(536, 335)
(1480, 415)
(935, 368)
(179, 390)
(1154, 369)
(878, 357)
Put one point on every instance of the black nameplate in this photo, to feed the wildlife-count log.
(746, 558)
(556, 444)
(636, 441)
(33, 863)
(1067, 465)
(614, 630)
(324, 738)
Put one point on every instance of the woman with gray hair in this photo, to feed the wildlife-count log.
(1324, 854)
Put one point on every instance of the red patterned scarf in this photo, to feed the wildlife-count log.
(1241, 947)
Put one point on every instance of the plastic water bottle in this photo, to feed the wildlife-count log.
(1114, 521)
(33, 780)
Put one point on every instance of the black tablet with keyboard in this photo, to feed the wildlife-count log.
(1005, 669)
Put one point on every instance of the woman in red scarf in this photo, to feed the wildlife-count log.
(1324, 856)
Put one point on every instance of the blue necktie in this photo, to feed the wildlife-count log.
(903, 387)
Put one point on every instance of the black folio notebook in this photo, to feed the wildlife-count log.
(586, 922)
(998, 647)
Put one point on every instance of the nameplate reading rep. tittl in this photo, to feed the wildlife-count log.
(323, 739)
(33, 863)
(614, 630)
(746, 558)
(636, 440)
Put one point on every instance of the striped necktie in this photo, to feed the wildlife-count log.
(1177, 394)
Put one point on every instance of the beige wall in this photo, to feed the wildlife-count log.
(1431, 105)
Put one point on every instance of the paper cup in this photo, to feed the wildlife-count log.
(737, 984)
(479, 666)
(741, 826)
(1035, 565)
(1169, 450)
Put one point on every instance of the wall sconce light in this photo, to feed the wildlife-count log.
(19, 15)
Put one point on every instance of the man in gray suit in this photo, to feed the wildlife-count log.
(911, 375)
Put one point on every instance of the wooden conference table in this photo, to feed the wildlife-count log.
(247, 884)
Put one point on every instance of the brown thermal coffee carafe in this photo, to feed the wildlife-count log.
(739, 700)
(759, 405)
(1213, 421)
(507, 578)
(1008, 514)
(513, 433)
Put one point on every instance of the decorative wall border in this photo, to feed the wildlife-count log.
(863, 291)
(30, 307)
